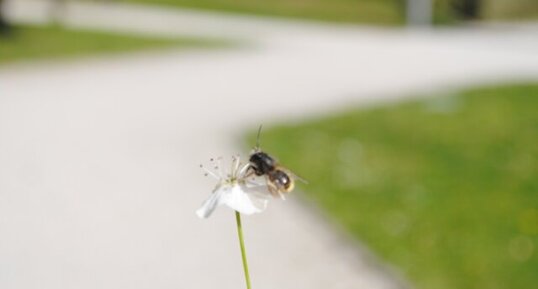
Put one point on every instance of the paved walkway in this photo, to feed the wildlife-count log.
(99, 158)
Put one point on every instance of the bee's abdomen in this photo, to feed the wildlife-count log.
(281, 180)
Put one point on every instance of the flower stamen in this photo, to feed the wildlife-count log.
(234, 189)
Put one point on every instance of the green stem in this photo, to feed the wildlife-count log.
(242, 244)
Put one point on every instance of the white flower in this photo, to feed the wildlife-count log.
(235, 190)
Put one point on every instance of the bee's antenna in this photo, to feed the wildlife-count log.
(258, 138)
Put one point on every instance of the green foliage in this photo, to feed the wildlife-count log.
(37, 42)
(445, 188)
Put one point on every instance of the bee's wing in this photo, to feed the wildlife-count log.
(299, 178)
(295, 176)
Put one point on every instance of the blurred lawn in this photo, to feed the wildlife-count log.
(37, 42)
(510, 9)
(360, 11)
(378, 12)
(445, 188)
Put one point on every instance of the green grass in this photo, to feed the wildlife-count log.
(385, 12)
(444, 188)
(39, 42)
(377, 12)
(510, 9)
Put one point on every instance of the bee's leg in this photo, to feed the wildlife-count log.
(272, 189)
(275, 192)
(250, 172)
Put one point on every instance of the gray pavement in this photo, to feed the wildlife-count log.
(99, 157)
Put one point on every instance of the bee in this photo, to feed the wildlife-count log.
(279, 179)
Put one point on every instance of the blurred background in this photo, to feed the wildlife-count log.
(415, 123)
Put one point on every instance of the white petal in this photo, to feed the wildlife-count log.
(259, 195)
(258, 191)
(259, 202)
(242, 202)
(211, 204)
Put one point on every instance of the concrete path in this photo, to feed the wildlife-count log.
(99, 158)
